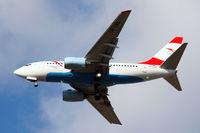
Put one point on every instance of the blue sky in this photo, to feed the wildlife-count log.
(38, 30)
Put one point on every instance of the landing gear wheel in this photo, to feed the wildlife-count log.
(36, 84)
(97, 96)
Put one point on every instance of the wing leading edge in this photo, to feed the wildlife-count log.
(99, 56)
(101, 53)
(98, 62)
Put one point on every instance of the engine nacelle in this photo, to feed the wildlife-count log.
(73, 96)
(74, 63)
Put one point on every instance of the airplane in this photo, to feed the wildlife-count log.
(90, 76)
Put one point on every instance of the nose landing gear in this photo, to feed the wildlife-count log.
(36, 84)
(33, 79)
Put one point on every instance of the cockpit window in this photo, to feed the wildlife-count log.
(28, 64)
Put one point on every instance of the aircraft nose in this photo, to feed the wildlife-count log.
(19, 72)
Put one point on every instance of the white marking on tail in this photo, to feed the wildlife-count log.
(165, 52)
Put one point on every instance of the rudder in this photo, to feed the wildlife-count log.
(173, 60)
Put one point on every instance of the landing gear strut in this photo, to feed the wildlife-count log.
(36, 84)
(97, 90)
(100, 93)
(97, 95)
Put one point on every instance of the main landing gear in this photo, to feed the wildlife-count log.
(97, 95)
(100, 92)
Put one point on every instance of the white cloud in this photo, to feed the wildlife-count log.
(33, 31)
(153, 106)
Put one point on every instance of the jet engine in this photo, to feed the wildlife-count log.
(73, 95)
(74, 63)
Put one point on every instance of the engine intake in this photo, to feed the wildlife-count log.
(74, 63)
(73, 96)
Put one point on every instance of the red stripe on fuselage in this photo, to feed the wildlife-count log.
(57, 63)
(153, 61)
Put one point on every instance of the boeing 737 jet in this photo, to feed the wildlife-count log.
(91, 75)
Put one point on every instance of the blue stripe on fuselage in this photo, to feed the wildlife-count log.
(87, 79)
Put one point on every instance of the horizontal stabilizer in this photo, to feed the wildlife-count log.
(173, 80)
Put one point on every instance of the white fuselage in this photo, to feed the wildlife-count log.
(122, 72)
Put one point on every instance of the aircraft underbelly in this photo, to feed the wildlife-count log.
(88, 79)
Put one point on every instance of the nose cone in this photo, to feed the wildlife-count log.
(19, 72)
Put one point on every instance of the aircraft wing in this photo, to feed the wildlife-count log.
(99, 55)
(97, 60)
(104, 107)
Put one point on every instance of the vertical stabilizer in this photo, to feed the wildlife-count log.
(172, 63)
(161, 56)
(173, 60)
